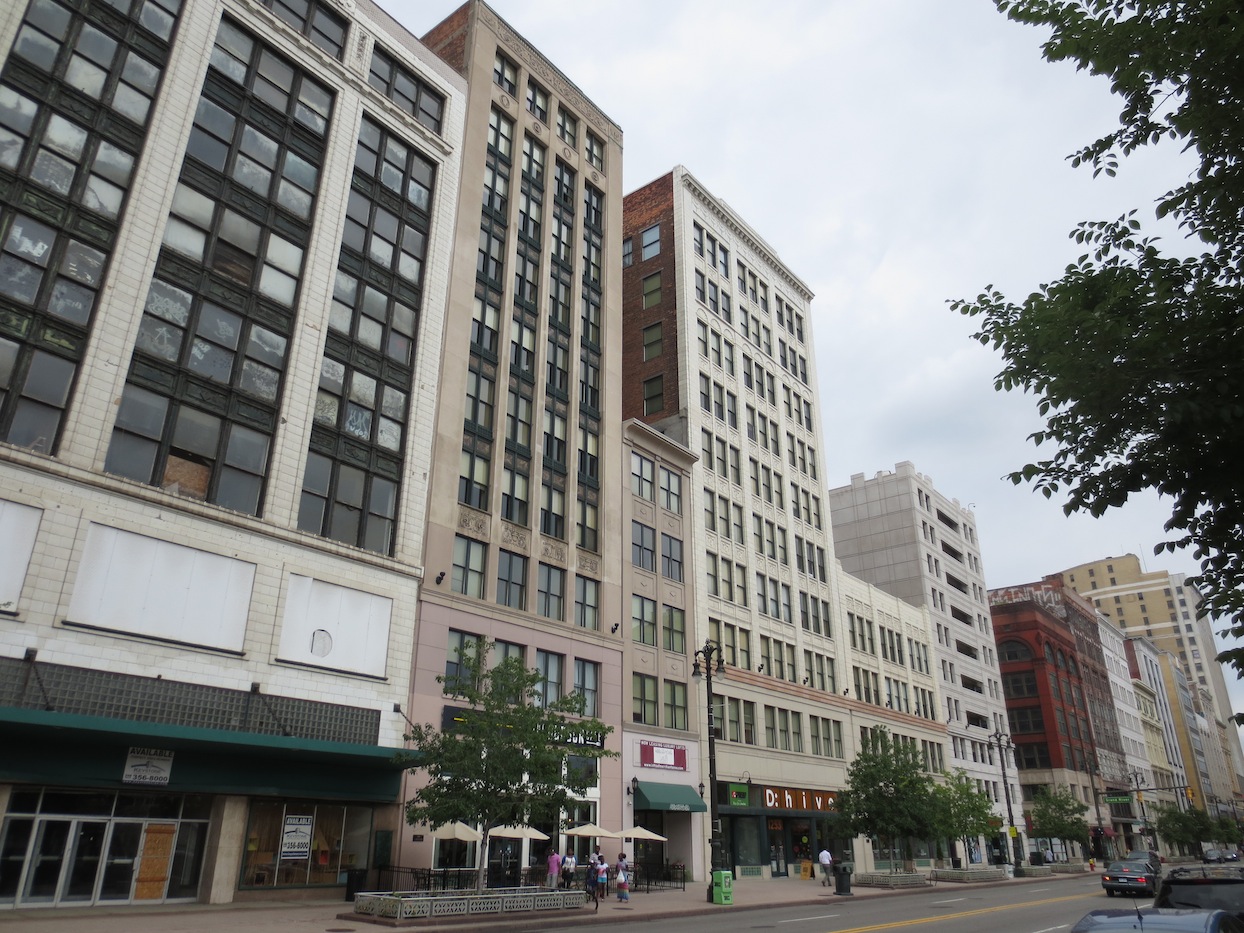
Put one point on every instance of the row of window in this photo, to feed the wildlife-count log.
(719, 401)
(656, 483)
(512, 583)
(644, 552)
(75, 95)
(461, 646)
(649, 248)
(735, 721)
(505, 76)
(673, 629)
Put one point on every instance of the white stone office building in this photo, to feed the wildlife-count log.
(718, 355)
(898, 532)
(225, 232)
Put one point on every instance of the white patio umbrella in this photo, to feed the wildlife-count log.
(639, 832)
(591, 830)
(457, 830)
(512, 831)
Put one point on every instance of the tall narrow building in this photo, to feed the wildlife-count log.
(718, 356)
(524, 543)
(225, 235)
(898, 532)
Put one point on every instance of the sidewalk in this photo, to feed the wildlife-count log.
(335, 917)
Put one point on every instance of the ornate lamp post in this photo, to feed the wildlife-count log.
(713, 663)
(1140, 798)
(1004, 745)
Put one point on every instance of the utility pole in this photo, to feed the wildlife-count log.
(714, 662)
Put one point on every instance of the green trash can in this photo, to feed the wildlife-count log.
(723, 887)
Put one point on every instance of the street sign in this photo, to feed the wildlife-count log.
(1126, 798)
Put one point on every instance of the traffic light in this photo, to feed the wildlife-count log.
(1191, 794)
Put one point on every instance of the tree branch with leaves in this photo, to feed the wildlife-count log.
(1132, 354)
(509, 756)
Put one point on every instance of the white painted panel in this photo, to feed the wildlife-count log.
(144, 586)
(18, 526)
(335, 626)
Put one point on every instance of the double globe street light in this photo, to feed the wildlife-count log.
(708, 661)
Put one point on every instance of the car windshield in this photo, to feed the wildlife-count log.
(1207, 897)
(1129, 866)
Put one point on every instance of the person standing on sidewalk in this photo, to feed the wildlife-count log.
(827, 862)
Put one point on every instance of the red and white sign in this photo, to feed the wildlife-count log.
(663, 756)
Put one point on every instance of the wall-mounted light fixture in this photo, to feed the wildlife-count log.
(440, 578)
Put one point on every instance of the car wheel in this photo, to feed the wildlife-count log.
(1109, 892)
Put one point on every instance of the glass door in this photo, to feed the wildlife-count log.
(84, 861)
(777, 848)
(47, 861)
(119, 864)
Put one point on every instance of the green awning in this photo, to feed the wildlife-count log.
(677, 797)
(47, 747)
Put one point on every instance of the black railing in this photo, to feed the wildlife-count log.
(645, 877)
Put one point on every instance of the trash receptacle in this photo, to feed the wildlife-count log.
(723, 887)
(842, 878)
(1036, 858)
(356, 881)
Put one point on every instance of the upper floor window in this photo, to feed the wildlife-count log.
(505, 74)
(538, 101)
(650, 242)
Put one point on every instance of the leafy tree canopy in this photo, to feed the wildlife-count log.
(1134, 355)
(888, 792)
(1059, 814)
(510, 757)
(1185, 829)
(959, 809)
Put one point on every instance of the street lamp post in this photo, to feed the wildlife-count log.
(1004, 745)
(1140, 798)
(713, 663)
(1100, 849)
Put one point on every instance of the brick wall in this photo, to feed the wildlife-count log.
(448, 38)
(651, 204)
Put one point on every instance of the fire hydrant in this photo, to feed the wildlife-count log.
(1092, 864)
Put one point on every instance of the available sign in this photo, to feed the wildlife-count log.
(296, 840)
(147, 766)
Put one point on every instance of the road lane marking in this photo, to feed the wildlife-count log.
(1052, 929)
(964, 913)
(951, 900)
(806, 919)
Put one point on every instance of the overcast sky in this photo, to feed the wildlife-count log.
(896, 154)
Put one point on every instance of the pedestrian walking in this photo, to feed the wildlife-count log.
(623, 879)
(569, 864)
(827, 862)
(555, 866)
(590, 882)
(602, 880)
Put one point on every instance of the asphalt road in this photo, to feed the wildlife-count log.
(1033, 908)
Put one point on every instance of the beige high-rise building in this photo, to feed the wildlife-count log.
(524, 544)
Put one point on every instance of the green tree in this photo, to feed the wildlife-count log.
(1133, 355)
(1227, 831)
(959, 810)
(1185, 829)
(1059, 814)
(888, 793)
(510, 757)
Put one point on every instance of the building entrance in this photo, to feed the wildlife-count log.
(61, 859)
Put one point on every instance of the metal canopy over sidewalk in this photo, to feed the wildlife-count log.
(680, 798)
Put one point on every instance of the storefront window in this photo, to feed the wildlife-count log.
(302, 843)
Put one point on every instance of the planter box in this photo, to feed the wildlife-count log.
(1068, 868)
(965, 875)
(876, 879)
(1033, 871)
(413, 905)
